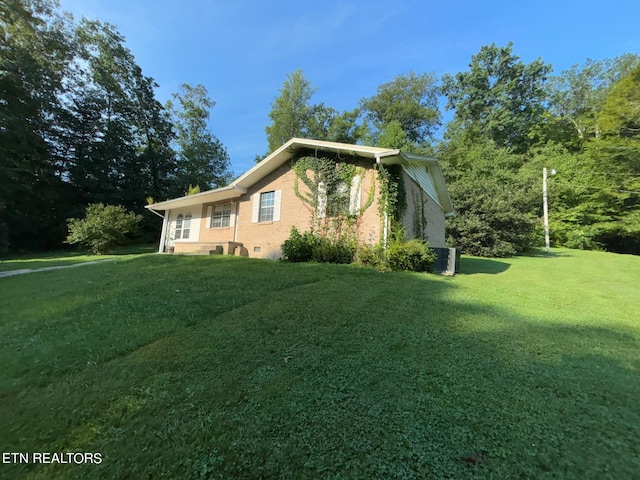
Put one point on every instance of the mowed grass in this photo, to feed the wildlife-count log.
(215, 367)
(65, 258)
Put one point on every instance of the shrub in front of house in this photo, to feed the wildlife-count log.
(299, 246)
(400, 255)
(307, 247)
(334, 250)
(104, 227)
(371, 256)
(413, 256)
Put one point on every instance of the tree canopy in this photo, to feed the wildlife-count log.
(80, 124)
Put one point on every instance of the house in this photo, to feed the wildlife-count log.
(254, 215)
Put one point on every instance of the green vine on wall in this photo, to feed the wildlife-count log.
(331, 180)
(393, 196)
(419, 215)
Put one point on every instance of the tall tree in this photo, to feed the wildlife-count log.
(500, 97)
(495, 204)
(34, 53)
(202, 158)
(291, 112)
(578, 94)
(410, 101)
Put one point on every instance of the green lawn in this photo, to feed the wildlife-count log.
(225, 367)
(57, 259)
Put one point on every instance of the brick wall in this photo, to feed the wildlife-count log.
(263, 239)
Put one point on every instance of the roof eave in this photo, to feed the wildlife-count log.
(222, 193)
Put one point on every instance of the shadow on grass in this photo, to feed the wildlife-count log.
(66, 257)
(473, 265)
(267, 370)
(542, 253)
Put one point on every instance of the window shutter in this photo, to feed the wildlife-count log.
(322, 200)
(209, 216)
(232, 216)
(354, 201)
(276, 205)
(255, 212)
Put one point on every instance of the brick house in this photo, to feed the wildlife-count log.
(254, 215)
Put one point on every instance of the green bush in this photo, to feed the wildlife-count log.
(370, 256)
(104, 227)
(299, 246)
(413, 256)
(338, 250)
(306, 247)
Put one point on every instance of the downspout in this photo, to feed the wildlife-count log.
(385, 221)
(163, 235)
(235, 227)
(163, 232)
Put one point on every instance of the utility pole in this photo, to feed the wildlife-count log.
(545, 206)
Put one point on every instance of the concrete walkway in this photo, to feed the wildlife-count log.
(11, 273)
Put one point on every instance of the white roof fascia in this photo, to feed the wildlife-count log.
(216, 195)
(435, 172)
(285, 152)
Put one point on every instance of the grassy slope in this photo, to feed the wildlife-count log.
(214, 367)
(58, 259)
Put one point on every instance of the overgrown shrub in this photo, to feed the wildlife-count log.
(339, 250)
(400, 255)
(306, 247)
(299, 246)
(413, 256)
(104, 227)
(370, 256)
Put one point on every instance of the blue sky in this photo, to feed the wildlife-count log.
(242, 50)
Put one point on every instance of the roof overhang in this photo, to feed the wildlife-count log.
(275, 160)
(216, 195)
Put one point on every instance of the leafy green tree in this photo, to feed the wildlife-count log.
(495, 204)
(291, 111)
(499, 97)
(617, 156)
(410, 102)
(35, 52)
(293, 115)
(346, 127)
(578, 94)
(621, 111)
(102, 228)
(202, 159)
(393, 135)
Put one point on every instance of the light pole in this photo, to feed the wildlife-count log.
(545, 206)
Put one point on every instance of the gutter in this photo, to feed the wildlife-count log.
(148, 207)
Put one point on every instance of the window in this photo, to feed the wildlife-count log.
(265, 207)
(186, 227)
(267, 202)
(179, 226)
(322, 200)
(221, 216)
(354, 195)
(183, 226)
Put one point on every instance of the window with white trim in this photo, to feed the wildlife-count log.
(322, 200)
(183, 226)
(354, 195)
(178, 231)
(267, 203)
(221, 216)
(186, 227)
